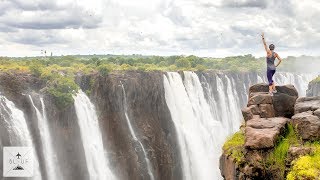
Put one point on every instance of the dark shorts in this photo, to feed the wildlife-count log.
(270, 74)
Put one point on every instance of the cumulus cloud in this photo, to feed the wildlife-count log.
(201, 27)
(47, 14)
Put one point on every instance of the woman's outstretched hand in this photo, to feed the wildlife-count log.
(262, 34)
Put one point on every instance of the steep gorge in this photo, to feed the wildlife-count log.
(153, 125)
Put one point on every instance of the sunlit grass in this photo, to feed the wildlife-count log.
(234, 146)
(276, 159)
(307, 167)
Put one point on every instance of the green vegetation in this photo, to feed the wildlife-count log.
(307, 167)
(316, 80)
(62, 88)
(108, 63)
(234, 146)
(59, 72)
(276, 159)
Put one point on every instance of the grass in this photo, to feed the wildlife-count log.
(234, 146)
(276, 159)
(307, 167)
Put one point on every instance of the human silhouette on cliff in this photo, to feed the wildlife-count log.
(271, 68)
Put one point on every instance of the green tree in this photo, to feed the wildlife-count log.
(183, 63)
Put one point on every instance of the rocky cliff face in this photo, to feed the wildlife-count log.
(143, 94)
(138, 132)
(313, 88)
(274, 133)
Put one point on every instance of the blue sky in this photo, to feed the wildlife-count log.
(214, 28)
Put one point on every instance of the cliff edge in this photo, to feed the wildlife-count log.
(278, 140)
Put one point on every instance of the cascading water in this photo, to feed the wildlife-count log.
(97, 162)
(199, 133)
(202, 124)
(134, 136)
(19, 134)
(300, 81)
(50, 157)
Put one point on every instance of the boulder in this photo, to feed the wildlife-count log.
(307, 125)
(266, 110)
(228, 167)
(260, 138)
(286, 89)
(263, 132)
(284, 104)
(313, 88)
(317, 113)
(261, 87)
(307, 104)
(247, 114)
(296, 152)
(260, 98)
(254, 109)
(283, 101)
(263, 123)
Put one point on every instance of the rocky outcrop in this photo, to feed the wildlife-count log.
(295, 152)
(307, 118)
(141, 96)
(314, 88)
(147, 111)
(280, 104)
(267, 121)
(263, 133)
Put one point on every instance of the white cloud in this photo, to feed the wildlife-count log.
(201, 27)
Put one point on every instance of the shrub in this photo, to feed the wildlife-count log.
(36, 69)
(307, 167)
(104, 69)
(62, 88)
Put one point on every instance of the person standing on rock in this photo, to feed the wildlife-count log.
(271, 68)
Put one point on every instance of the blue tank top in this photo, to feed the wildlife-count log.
(270, 62)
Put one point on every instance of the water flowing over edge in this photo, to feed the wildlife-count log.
(91, 138)
(190, 110)
(50, 157)
(19, 132)
(134, 136)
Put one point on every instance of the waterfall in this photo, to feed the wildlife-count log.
(50, 157)
(134, 136)
(300, 81)
(97, 163)
(199, 133)
(19, 134)
(202, 124)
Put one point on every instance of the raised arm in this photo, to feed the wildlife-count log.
(278, 57)
(264, 43)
